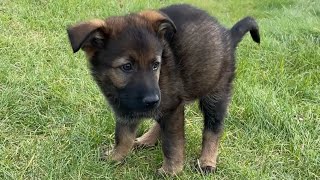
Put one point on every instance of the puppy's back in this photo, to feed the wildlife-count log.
(201, 47)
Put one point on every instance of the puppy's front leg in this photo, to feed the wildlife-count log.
(124, 139)
(172, 134)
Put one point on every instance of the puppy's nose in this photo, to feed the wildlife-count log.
(151, 100)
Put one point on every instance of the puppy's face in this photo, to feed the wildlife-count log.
(128, 70)
(125, 59)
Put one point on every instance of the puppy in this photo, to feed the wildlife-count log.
(152, 63)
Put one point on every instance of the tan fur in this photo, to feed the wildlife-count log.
(118, 78)
(82, 29)
(209, 151)
(89, 51)
(152, 15)
(115, 25)
(173, 142)
(150, 138)
(120, 61)
(125, 144)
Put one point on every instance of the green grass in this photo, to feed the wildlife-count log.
(53, 118)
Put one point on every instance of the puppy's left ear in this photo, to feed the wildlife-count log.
(161, 23)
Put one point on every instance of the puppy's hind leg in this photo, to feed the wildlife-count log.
(150, 138)
(213, 108)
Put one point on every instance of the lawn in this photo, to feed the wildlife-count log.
(53, 119)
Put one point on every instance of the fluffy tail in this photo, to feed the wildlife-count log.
(242, 27)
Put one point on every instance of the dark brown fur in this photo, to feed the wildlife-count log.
(151, 64)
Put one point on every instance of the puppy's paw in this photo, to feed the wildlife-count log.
(208, 169)
(148, 139)
(169, 171)
(108, 154)
(164, 173)
(142, 142)
(205, 168)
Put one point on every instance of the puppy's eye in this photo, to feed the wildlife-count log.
(127, 67)
(155, 66)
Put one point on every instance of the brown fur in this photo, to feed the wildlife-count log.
(150, 138)
(151, 64)
(78, 33)
(173, 141)
(125, 136)
(151, 15)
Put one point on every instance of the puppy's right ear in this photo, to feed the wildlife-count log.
(90, 34)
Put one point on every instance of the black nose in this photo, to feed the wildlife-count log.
(151, 100)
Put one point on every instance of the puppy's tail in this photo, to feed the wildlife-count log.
(242, 27)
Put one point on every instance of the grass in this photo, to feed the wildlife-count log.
(53, 118)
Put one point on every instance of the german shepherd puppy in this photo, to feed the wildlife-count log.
(152, 63)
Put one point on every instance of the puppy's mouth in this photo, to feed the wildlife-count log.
(134, 116)
(146, 108)
(138, 109)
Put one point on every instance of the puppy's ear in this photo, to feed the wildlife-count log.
(90, 34)
(161, 23)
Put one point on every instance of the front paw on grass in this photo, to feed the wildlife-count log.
(204, 169)
(109, 155)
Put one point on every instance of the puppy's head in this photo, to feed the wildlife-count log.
(125, 58)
